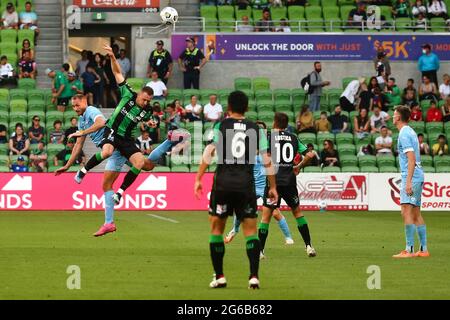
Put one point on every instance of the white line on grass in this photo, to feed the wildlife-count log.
(163, 218)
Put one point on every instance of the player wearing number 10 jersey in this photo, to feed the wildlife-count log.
(284, 148)
(236, 141)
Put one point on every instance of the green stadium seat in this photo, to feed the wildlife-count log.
(174, 94)
(403, 25)
(278, 13)
(265, 106)
(9, 35)
(447, 127)
(434, 127)
(4, 168)
(4, 160)
(350, 169)
(331, 17)
(263, 95)
(329, 3)
(8, 48)
(369, 169)
(26, 84)
(225, 14)
(386, 11)
(252, 115)
(367, 161)
(296, 12)
(445, 169)
(346, 149)
(17, 94)
(136, 83)
(344, 138)
(261, 84)
(441, 161)
(282, 95)
(438, 24)
(348, 160)
(321, 137)
(249, 92)
(298, 96)
(426, 160)
(282, 107)
(180, 169)
(429, 169)
(433, 138)
(36, 95)
(242, 83)
(418, 126)
(25, 34)
(18, 105)
(4, 94)
(4, 149)
(266, 116)
(314, 16)
(331, 169)
(243, 12)
(385, 161)
(388, 169)
(51, 116)
(188, 93)
(306, 138)
(312, 169)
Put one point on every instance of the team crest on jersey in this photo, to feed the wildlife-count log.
(221, 209)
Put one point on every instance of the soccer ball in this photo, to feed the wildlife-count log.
(322, 205)
(169, 15)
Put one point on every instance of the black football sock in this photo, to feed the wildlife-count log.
(94, 161)
(263, 232)
(129, 178)
(302, 226)
(253, 250)
(217, 249)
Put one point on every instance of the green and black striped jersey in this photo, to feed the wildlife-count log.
(127, 114)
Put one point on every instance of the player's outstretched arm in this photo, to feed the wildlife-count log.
(115, 66)
(75, 153)
(99, 123)
(205, 162)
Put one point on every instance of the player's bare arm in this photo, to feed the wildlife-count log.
(205, 162)
(270, 172)
(73, 156)
(114, 64)
(411, 167)
(99, 123)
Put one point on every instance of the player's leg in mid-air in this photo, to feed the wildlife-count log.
(108, 148)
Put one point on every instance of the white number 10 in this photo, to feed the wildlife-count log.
(285, 153)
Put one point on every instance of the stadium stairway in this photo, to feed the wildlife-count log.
(187, 8)
(48, 51)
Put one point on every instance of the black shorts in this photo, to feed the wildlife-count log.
(227, 203)
(288, 193)
(126, 147)
(63, 102)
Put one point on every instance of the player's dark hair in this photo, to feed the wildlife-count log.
(261, 124)
(78, 96)
(147, 90)
(238, 102)
(281, 120)
(404, 112)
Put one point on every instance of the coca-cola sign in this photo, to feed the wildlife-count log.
(115, 5)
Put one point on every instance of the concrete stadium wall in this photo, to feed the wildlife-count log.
(283, 74)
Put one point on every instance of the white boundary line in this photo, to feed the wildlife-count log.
(163, 218)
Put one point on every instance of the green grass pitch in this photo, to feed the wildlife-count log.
(150, 258)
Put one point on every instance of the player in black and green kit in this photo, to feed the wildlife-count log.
(284, 147)
(131, 110)
(236, 141)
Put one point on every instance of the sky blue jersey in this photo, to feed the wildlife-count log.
(259, 173)
(87, 120)
(408, 141)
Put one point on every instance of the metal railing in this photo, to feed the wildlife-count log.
(64, 31)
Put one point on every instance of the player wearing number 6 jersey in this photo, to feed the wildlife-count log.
(412, 184)
(236, 141)
(284, 147)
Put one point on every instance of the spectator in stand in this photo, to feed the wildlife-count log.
(284, 26)
(18, 143)
(378, 119)
(421, 22)
(90, 81)
(315, 161)
(27, 67)
(20, 165)
(393, 94)
(179, 108)
(159, 88)
(260, 4)
(417, 8)
(244, 26)
(265, 24)
(400, 9)
(434, 114)
(383, 143)
(75, 85)
(424, 147)
(116, 50)
(82, 63)
(365, 98)
(154, 129)
(212, 111)
(72, 129)
(317, 83)
(36, 131)
(193, 110)
(361, 124)
(64, 155)
(446, 110)
(10, 18)
(297, 3)
(410, 86)
(444, 88)
(38, 158)
(305, 120)
(437, 8)
(329, 156)
(26, 47)
(379, 99)
(28, 19)
(357, 16)
(3, 134)
(429, 64)
(242, 4)
(62, 92)
(416, 113)
(441, 147)
(144, 142)
(409, 99)
(381, 63)
(160, 61)
(7, 73)
(339, 122)
(111, 88)
(322, 124)
(99, 67)
(124, 62)
(427, 89)
(348, 97)
(172, 120)
(366, 150)
(57, 135)
(373, 83)
(190, 62)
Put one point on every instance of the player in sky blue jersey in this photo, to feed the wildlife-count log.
(412, 184)
(259, 173)
(92, 122)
